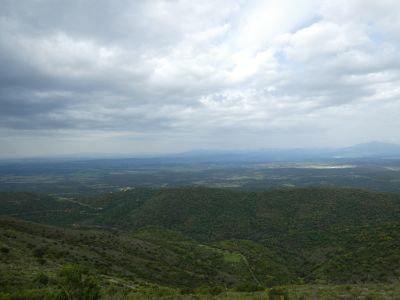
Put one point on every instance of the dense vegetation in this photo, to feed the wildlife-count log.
(321, 234)
(202, 240)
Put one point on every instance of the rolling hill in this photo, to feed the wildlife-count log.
(310, 235)
(335, 235)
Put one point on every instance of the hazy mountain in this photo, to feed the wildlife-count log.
(374, 149)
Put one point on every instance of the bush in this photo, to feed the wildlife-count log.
(209, 290)
(216, 290)
(278, 294)
(4, 250)
(187, 291)
(248, 287)
(78, 283)
(4, 296)
(31, 294)
(39, 252)
(41, 279)
(161, 292)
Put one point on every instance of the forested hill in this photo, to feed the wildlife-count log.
(211, 214)
(337, 235)
(314, 234)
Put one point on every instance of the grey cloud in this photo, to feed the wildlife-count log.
(175, 70)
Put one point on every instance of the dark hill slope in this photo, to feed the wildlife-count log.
(160, 264)
(154, 255)
(337, 235)
(212, 214)
(43, 209)
(321, 233)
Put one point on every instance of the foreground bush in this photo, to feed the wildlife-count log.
(278, 294)
(77, 283)
(249, 287)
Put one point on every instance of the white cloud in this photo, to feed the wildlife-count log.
(290, 72)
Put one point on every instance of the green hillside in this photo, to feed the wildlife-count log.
(211, 214)
(156, 256)
(308, 228)
(190, 238)
(43, 208)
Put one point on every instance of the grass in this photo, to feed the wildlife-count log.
(228, 256)
(301, 292)
(360, 291)
(232, 257)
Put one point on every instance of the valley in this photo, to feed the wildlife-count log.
(88, 177)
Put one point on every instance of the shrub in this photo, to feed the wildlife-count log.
(4, 250)
(4, 296)
(41, 279)
(161, 292)
(187, 291)
(216, 290)
(209, 290)
(278, 293)
(248, 287)
(39, 252)
(78, 283)
(31, 294)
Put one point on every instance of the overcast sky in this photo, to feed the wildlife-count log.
(153, 76)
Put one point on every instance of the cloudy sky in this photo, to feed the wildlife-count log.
(158, 76)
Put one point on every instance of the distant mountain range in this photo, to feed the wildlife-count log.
(367, 150)
(373, 150)
(370, 150)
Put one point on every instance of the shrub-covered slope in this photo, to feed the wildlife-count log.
(335, 235)
(312, 234)
(154, 255)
